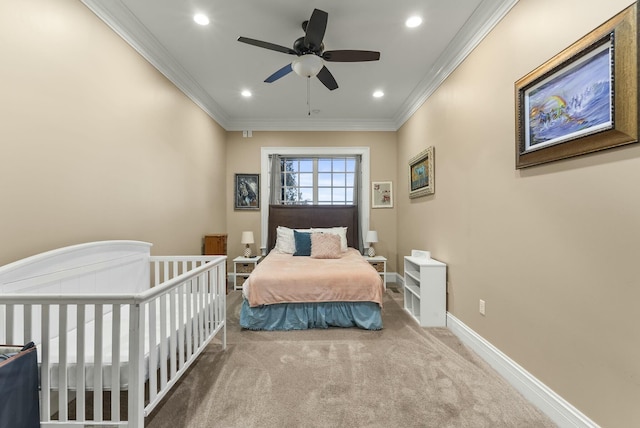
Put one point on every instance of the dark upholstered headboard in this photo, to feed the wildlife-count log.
(307, 216)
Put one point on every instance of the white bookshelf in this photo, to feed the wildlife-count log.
(425, 290)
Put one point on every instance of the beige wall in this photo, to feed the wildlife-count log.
(96, 143)
(552, 249)
(243, 156)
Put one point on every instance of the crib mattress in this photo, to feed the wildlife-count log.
(106, 352)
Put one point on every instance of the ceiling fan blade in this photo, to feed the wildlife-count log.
(280, 73)
(327, 79)
(267, 45)
(315, 29)
(350, 56)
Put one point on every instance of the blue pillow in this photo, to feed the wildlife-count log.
(303, 243)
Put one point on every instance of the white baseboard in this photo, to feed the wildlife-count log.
(555, 407)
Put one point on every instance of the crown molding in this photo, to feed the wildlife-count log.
(480, 23)
(311, 124)
(121, 20)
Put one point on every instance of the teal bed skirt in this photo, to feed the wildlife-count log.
(301, 316)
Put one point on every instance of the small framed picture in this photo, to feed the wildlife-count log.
(247, 192)
(421, 174)
(381, 194)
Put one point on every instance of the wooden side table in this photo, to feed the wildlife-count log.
(379, 263)
(242, 268)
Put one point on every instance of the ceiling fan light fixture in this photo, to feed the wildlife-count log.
(307, 65)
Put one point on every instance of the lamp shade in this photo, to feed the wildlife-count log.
(372, 236)
(247, 238)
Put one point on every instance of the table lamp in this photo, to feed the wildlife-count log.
(372, 236)
(247, 239)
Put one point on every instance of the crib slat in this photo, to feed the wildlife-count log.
(163, 342)
(136, 370)
(172, 332)
(200, 305)
(156, 273)
(80, 363)
(97, 363)
(115, 363)
(62, 363)
(189, 323)
(221, 297)
(45, 368)
(153, 357)
(27, 324)
(9, 324)
(181, 324)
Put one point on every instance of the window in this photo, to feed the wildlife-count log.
(266, 156)
(318, 180)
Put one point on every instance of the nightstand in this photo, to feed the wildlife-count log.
(379, 263)
(242, 268)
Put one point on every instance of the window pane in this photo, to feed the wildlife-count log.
(338, 180)
(306, 195)
(351, 165)
(324, 194)
(324, 179)
(338, 194)
(289, 179)
(339, 165)
(351, 180)
(289, 165)
(350, 196)
(324, 165)
(306, 179)
(306, 165)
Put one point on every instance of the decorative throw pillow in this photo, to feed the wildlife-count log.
(303, 243)
(340, 231)
(284, 240)
(325, 246)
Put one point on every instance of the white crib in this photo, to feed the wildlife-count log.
(108, 316)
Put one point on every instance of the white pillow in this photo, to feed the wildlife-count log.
(285, 242)
(340, 231)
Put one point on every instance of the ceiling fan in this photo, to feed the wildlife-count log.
(311, 54)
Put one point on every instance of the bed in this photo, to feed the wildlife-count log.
(108, 317)
(296, 292)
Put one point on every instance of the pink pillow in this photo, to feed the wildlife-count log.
(325, 246)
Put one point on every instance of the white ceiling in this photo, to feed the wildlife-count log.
(212, 67)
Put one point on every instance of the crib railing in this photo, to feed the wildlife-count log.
(167, 327)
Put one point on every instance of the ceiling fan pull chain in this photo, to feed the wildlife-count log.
(309, 95)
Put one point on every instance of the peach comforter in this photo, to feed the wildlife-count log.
(284, 278)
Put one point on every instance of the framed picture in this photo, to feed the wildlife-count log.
(421, 174)
(582, 100)
(247, 192)
(381, 194)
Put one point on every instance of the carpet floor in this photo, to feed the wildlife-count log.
(401, 376)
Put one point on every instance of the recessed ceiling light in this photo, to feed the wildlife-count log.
(378, 94)
(201, 19)
(413, 22)
(246, 93)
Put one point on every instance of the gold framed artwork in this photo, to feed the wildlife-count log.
(421, 174)
(582, 100)
(381, 194)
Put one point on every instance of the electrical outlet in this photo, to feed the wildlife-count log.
(482, 307)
